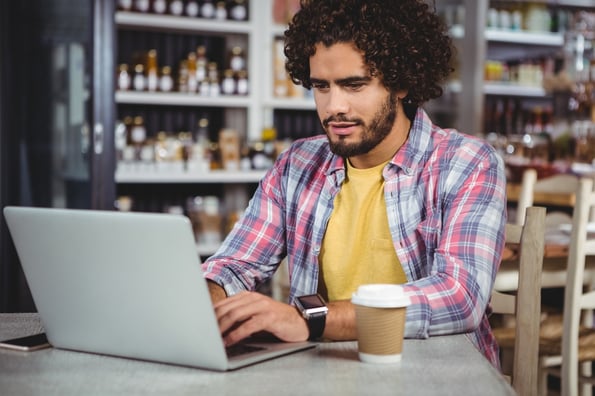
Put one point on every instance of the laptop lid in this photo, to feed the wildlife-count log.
(123, 284)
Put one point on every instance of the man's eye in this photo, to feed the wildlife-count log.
(355, 86)
(319, 87)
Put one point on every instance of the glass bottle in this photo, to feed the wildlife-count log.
(192, 8)
(238, 11)
(124, 80)
(237, 61)
(139, 81)
(201, 136)
(201, 63)
(242, 83)
(220, 11)
(191, 66)
(176, 7)
(207, 10)
(128, 125)
(166, 83)
(159, 6)
(152, 70)
(183, 76)
(120, 140)
(213, 79)
(142, 5)
(124, 5)
(228, 84)
(138, 135)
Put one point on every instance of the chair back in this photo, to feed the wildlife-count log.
(575, 300)
(526, 304)
(531, 188)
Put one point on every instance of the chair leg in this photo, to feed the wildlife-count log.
(584, 388)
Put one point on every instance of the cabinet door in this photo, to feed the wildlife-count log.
(59, 102)
(56, 91)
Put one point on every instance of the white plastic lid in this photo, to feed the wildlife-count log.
(381, 296)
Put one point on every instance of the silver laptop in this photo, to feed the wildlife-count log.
(125, 284)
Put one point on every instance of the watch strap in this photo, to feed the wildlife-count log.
(316, 324)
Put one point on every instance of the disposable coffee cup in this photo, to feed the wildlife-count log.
(380, 311)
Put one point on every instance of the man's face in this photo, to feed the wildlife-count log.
(356, 111)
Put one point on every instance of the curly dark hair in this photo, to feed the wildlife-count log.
(403, 42)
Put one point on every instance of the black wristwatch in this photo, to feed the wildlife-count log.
(314, 310)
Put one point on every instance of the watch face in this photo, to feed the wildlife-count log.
(311, 301)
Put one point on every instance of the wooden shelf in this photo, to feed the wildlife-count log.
(181, 99)
(521, 37)
(169, 23)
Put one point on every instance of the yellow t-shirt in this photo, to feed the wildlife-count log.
(357, 247)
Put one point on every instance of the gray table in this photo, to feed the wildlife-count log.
(447, 365)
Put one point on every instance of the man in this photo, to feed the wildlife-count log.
(385, 197)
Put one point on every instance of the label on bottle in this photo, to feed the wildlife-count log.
(207, 10)
(124, 81)
(220, 13)
(242, 86)
(192, 9)
(138, 134)
(159, 6)
(152, 81)
(166, 83)
(236, 63)
(238, 12)
(228, 86)
(142, 5)
(125, 5)
(139, 82)
(176, 7)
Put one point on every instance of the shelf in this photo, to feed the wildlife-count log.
(513, 90)
(291, 103)
(226, 177)
(180, 23)
(521, 37)
(525, 37)
(181, 99)
(504, 89)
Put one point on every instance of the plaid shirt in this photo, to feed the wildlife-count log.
(446, 207)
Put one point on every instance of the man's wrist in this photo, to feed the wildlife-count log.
(314, 310)
(216, 291)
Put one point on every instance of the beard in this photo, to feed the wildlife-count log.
(372, 135)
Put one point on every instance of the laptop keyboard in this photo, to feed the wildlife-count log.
(241, 349)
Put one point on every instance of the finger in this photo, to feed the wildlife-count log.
(244, 330)
(239, 310)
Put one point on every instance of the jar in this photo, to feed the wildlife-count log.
(139, 81)
(159, 6)
(238, 11)
(152, 71)
(228, 84)
(166, 82)
(176, 7)
(192, 8)
(124, 80)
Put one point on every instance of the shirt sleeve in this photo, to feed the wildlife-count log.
(471, 207)
(252, 251)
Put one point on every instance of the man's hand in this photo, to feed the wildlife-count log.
(247, 313)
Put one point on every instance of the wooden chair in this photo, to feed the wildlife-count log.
(576, 344)
(533, 189)
(526, 304)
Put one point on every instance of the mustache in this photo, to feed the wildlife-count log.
(340, 118)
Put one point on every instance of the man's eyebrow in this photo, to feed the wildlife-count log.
(344, 81)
